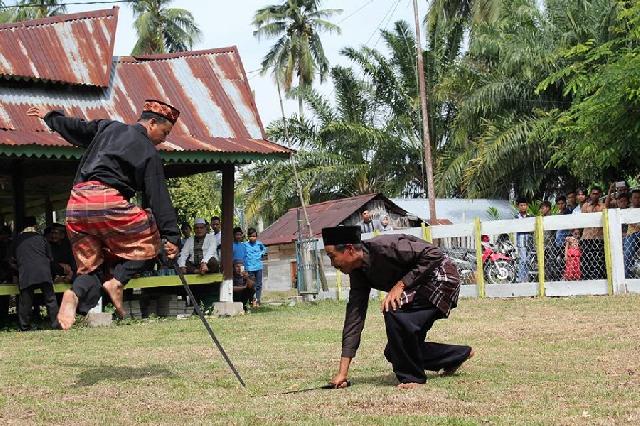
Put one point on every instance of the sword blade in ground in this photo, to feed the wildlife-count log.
(206, 325)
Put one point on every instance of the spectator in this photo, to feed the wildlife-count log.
(632, 238)
(239, 249)
(186, 230)
(367, 224)
(384, 224)
(572, 254)
(581, 198)
(561, 234)
(63, 266)
(571, 201)
(616, 189)
(622, 201)
(254, 252)
(545, 208)
(243, 284)
(216, 227)
(523, 243)
(592, 242)
(33, 257)
(6, 274)
(198, 255)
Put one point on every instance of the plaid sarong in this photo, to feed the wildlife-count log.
(100, 219)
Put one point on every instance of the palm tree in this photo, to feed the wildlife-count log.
(161, 29)
(39, 9)
(501, 133)
(297, 24)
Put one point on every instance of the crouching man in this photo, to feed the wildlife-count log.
(422, 285)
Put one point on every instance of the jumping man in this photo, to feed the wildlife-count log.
(422, 285)
(119, 160)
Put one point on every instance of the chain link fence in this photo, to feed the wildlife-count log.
(574, 255)
(631, 250)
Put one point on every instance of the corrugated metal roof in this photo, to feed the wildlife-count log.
(321, 215)
(209, 87)
(73, 49)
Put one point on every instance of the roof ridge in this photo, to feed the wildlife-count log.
(93, 14)
(374, 194)
(189, 53)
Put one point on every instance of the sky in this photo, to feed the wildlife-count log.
(226, 23)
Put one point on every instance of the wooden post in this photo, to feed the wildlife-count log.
(428, 163)
(607, 251)
(539, 237)
(17, 186)
(226, 252)
(338, 284)
(48, 211)
(479, 265)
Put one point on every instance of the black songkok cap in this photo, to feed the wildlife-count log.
(341, 235)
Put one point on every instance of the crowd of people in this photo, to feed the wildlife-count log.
(577, 254)
(37, 260)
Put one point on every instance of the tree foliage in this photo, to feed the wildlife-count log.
(38, 9)
(297, 25)
(195, 196)
(161, 29)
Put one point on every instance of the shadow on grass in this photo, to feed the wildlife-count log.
(387, 380)
(94, 375)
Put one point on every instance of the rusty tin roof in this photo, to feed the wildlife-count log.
(72, 49)
(321, 215)
(218, 119)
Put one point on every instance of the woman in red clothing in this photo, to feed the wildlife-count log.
(572, 254)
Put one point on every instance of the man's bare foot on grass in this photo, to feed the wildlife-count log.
(67, 313)
(409, 385)
(115, 291)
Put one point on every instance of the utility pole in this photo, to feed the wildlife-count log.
(428, 164)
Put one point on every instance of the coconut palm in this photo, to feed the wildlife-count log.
(38, 9)
(161, 29)
(297, 24)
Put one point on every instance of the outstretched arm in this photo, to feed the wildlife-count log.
(74, 130)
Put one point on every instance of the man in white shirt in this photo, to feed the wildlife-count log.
(216, 230)
(198, 255)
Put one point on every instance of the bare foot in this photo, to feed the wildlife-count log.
(115, 291)
(67, 313)
(452, 370)
(409, 385)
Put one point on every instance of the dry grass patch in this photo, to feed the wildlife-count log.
(540, 361)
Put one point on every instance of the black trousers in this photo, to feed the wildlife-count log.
(245, 296)
(407, 350)
(88, 287)
(25, 305)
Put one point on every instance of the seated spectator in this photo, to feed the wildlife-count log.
(198, 255)
(216, 229)
(239, 249)
(185, 229)
(384, 224)
(243, 284)
(6, 274)
(33, 257)
(63, 266)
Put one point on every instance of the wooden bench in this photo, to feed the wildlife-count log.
(144, 282)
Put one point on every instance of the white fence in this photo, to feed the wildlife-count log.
(606, 263)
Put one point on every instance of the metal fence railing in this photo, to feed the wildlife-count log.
(560, 255)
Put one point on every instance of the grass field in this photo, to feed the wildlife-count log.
(551, 361)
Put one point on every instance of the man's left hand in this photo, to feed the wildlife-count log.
(393, 300)
(203, 268)
(171, 250)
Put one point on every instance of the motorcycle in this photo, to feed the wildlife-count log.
(498, 261)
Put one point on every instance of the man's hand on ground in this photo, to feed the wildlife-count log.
(393, 300)
(171, 250)
(340, 380)
(37, 111)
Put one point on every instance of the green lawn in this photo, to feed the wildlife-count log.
(551, 361)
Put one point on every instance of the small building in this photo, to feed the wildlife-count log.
(281, 235)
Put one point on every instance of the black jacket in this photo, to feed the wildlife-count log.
(33, 255)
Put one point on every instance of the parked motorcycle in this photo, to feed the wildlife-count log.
(498, 261)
